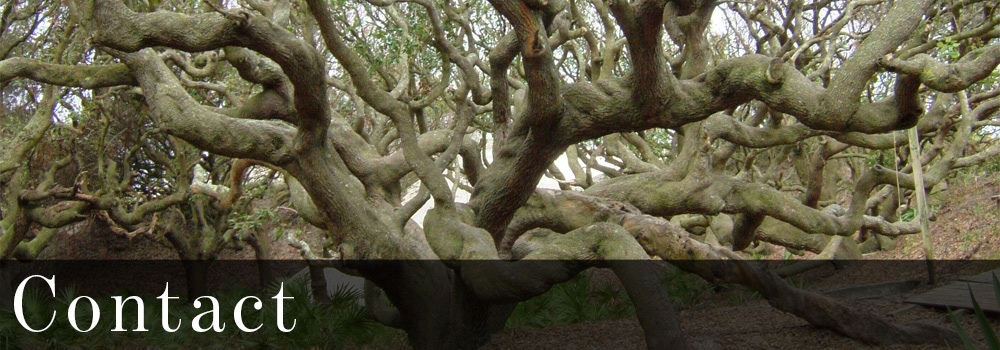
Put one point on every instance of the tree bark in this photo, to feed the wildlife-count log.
(262, 253)
(196, 276)
(438, 311)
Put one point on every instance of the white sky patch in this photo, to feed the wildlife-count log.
(462, 196)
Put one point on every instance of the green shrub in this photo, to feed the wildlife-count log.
(575, 301)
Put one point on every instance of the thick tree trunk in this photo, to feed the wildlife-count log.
(264, 272)
(262, 251)
(437, 310)
(196, 275)
(652, 304)
(317, 278)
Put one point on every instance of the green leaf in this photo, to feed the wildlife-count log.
(962, 334)
(984, 322)
(908, 215)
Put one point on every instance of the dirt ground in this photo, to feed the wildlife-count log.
(965, 231)
(756, 325)
(965, 224)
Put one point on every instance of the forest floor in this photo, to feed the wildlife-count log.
(737, 319)
(965, 233)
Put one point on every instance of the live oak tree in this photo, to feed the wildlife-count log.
(125, 176)
(693, 130)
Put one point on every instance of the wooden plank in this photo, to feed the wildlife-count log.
(985, 277)
(956, 295)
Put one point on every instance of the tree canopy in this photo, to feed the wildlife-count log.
(677, 130)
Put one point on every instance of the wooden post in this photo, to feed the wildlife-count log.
(922, 209)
